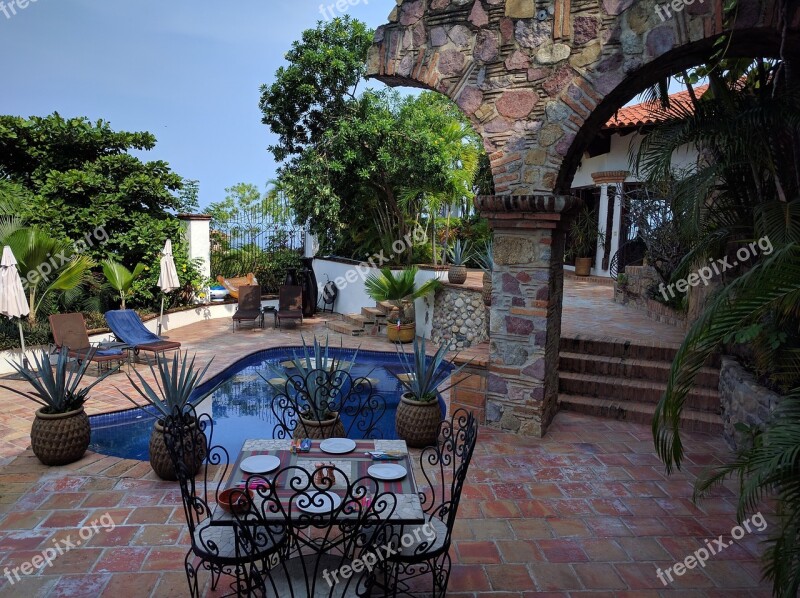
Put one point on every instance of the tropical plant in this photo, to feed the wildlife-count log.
(120, 278)
(319, 389)
(426, 375)
(48, 265)
(460, 253)
(176, 383)
(583, 234)
(768, 464)
(399, 289)
(56, 388)
(485, 258)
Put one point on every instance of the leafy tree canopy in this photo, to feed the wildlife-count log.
(313, 91)
(78, 175)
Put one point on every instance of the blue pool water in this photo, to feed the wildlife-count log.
(241, 406)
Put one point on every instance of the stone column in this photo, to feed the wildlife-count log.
(617, 223)
(198, 234)
(525, 322)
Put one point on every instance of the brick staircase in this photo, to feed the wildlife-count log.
(370, 322)
(624, 380)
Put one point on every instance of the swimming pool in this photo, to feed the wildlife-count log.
(241, 407)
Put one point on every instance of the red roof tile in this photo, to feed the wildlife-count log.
(649, 114)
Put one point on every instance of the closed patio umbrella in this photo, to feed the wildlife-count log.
(168, 278)
(13, 303)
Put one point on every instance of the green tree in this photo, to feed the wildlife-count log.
(314, 90)
(80, 176)
(120, 278)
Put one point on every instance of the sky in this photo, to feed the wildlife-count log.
(188, 71)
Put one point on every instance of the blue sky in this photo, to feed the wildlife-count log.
(188, 71)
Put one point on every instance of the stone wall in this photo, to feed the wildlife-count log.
(459, 316)
(634, 293)
(743, 400)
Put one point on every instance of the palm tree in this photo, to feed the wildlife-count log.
(120, 278)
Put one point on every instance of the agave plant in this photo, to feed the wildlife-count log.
(485, 258)
(319, 389)
(120, 278)
(176, 380)
(56, 389)
(459, 253)
(426, 374)
(398, 289)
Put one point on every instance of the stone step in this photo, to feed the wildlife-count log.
(373, 314)
(385, 307)
(642, 369)
(357, 320)
(344, 328)
(635, 411)
(611, 347)
(621, 390)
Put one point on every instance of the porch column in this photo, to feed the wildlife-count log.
(611, 183)
(525, 322)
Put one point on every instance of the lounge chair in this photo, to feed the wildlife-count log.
(249, 308)
(232, 284)
(290, 304)
(129, 329)
(69, 330)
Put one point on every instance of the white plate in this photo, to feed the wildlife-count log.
(387, 471)
(260, 464)
(337, 446)
(319, 502)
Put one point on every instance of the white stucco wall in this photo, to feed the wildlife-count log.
(198, 235)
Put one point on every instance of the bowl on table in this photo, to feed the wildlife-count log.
(235, 500)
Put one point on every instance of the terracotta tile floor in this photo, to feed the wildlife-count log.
(585, 511)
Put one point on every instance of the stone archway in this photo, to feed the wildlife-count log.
(538, 79)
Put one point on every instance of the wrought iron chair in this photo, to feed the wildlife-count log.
(220, 546)
(328, 404)
(444, 468)
(325, 534)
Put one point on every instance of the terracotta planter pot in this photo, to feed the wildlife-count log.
(487, 288)
(60, 438)
(457, 274)
(160, 459)
(404, 334)
(327, 428)
(417, 423)
(583, 266)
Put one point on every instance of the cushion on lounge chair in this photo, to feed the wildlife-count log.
(107, 352)
(127, 327)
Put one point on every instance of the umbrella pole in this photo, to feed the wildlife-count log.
(22, 343)
(161, 317)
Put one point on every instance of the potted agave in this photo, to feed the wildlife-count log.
(315, 380)
(176, 381)
(400, 290)
(458, 254)
(583, 235)
(418, 413)
(60, 433)
(486, 262)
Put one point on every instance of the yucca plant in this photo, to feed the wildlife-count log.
(485, 258)
(319, 389)
(120, 278)
(56, 388)
(398, 289)
(175, 380)
(460, 253)
(426, 375)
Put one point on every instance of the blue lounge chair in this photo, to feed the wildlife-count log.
(129, 329)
